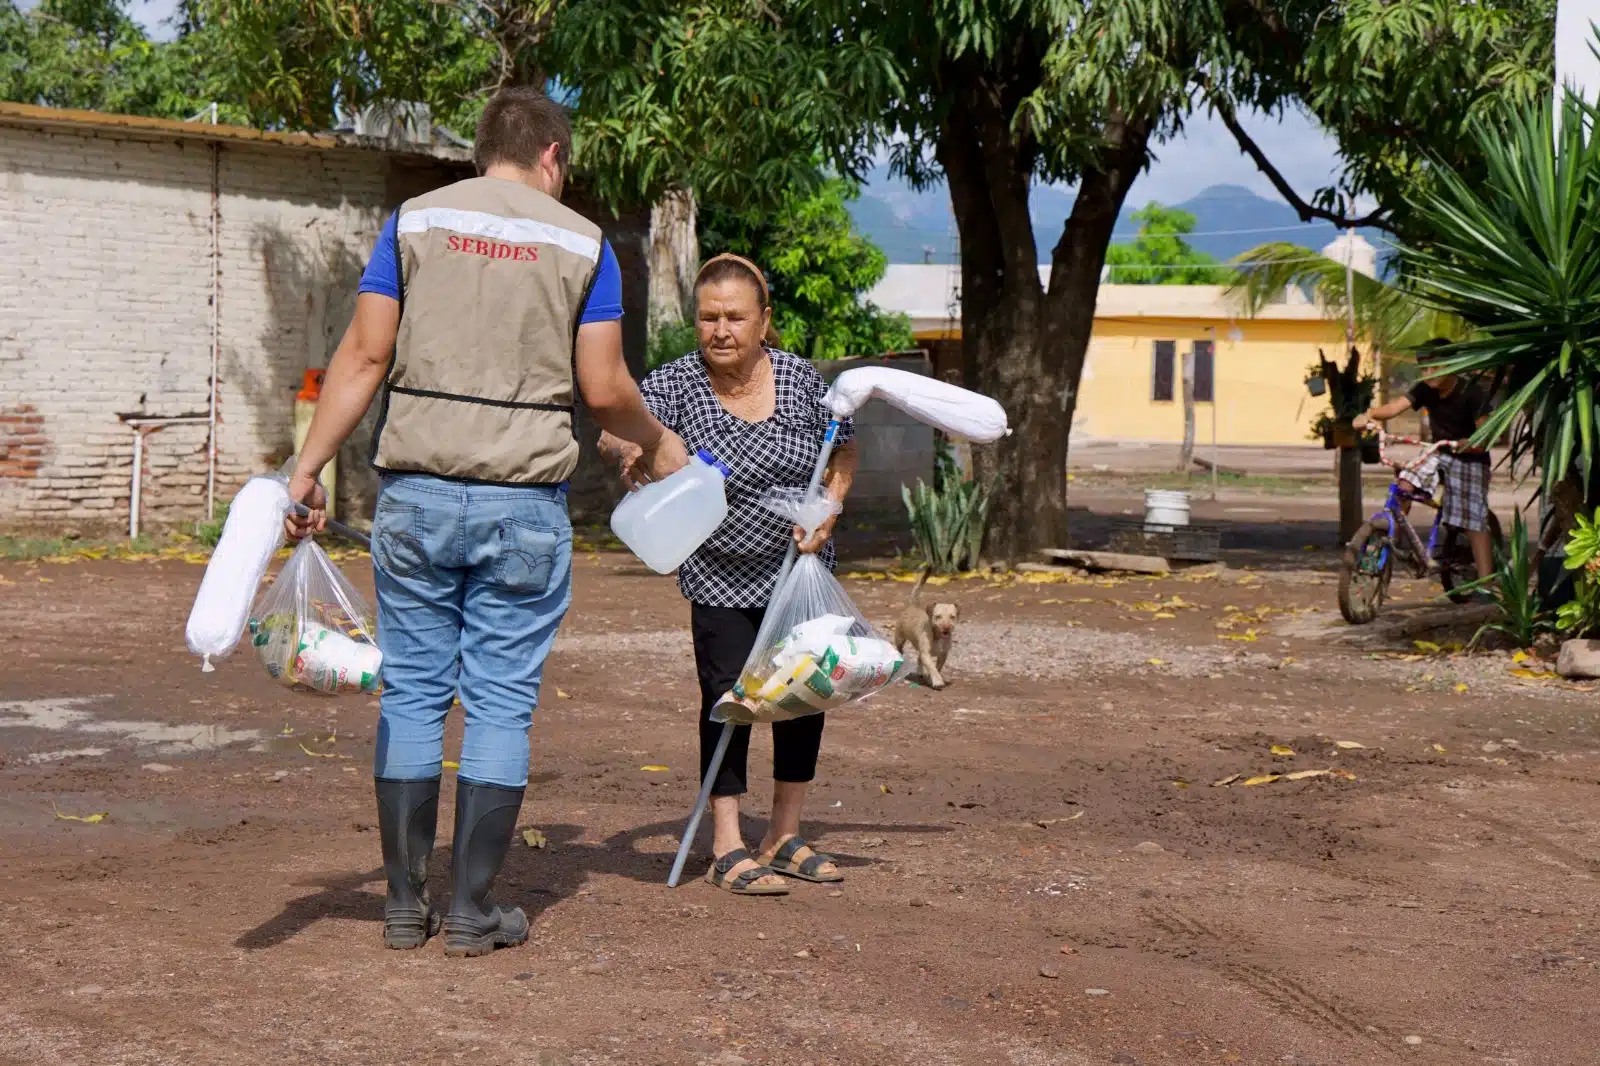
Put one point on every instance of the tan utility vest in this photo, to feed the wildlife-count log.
(494, 276)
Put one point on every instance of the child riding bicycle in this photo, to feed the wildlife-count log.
(1456, 407)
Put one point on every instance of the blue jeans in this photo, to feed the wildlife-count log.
(473, 581)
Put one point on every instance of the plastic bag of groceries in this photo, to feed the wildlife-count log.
(312, 628)
(815, 651)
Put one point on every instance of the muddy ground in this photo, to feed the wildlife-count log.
(1041, 869)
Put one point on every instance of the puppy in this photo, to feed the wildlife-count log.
(928, 629)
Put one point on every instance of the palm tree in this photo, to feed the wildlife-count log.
(1390, 315)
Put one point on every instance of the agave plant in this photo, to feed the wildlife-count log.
(1517, 254)
(948, 523)
(1522, 614)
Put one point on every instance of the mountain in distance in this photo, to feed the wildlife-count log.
(918, 227)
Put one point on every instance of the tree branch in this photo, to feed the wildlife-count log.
(1306, 211)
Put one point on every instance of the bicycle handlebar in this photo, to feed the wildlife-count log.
(1385, 438)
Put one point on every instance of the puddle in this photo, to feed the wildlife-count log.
(72, 715)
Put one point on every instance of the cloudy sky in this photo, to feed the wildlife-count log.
(1204, 155)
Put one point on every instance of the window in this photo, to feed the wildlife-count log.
(1205, 372)
(1161, 371)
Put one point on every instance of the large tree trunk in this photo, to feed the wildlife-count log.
(1023, 344)
(674, 258)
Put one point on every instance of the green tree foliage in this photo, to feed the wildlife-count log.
(1159, 255)
(303, 64)
(722, 97)
(818, 267)
(90, 54)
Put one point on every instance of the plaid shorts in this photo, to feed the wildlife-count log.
(1466, 493)
(1423, 475)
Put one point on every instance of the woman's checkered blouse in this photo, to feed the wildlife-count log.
(738, 565)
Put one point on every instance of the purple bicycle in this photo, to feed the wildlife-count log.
(1369, 558)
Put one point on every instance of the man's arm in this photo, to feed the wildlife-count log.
(1384, 412)
(612, 395)
(354, 376)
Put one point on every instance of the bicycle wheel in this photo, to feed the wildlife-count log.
(1457, 567)
(1364, 573)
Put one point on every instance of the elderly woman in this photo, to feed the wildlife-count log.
(760, 411)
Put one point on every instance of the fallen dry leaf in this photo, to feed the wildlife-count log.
(654, 768)
(1520, 656)
(1180, 783)
(560, 695)
(1349, 745)
(1301, 775)
(92, 819)
(1427, 647)
(1163, 614)
(318, 754)
(1532, 675)
(1439, 748)
(1156, 662)
(535, 839)
(1223, 782)
(1282, 751)
(1262, 779)
(1344, 775)
(1461, 686)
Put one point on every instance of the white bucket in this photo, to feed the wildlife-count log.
(1165, 509)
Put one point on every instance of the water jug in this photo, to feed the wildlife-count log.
(664, 522)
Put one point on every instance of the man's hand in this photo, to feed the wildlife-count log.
(626, 455)
(667, 456)
(304, 488)
(1361, 421)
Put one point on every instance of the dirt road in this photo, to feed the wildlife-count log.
(1040, 869)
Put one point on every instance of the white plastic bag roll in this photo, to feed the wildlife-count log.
(253, 532)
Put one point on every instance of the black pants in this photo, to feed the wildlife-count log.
(723, 637)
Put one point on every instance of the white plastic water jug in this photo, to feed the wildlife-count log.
(664, 522)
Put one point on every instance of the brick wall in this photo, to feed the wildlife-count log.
(105, 311)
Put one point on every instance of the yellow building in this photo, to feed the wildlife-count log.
(1253, 369)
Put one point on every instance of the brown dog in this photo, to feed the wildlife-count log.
(928, 629)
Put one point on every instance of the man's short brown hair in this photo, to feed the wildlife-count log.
(518, 124)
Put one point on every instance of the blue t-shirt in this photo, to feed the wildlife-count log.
(382, 276)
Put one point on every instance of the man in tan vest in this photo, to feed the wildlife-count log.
(485, 306)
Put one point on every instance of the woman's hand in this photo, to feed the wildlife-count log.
(818, 538)
(666, 457)
(304, 488)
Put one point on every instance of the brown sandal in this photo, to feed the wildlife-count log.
(783, 862)
(743, 884)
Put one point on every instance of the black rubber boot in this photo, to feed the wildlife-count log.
(486, 818)
(408, 814)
